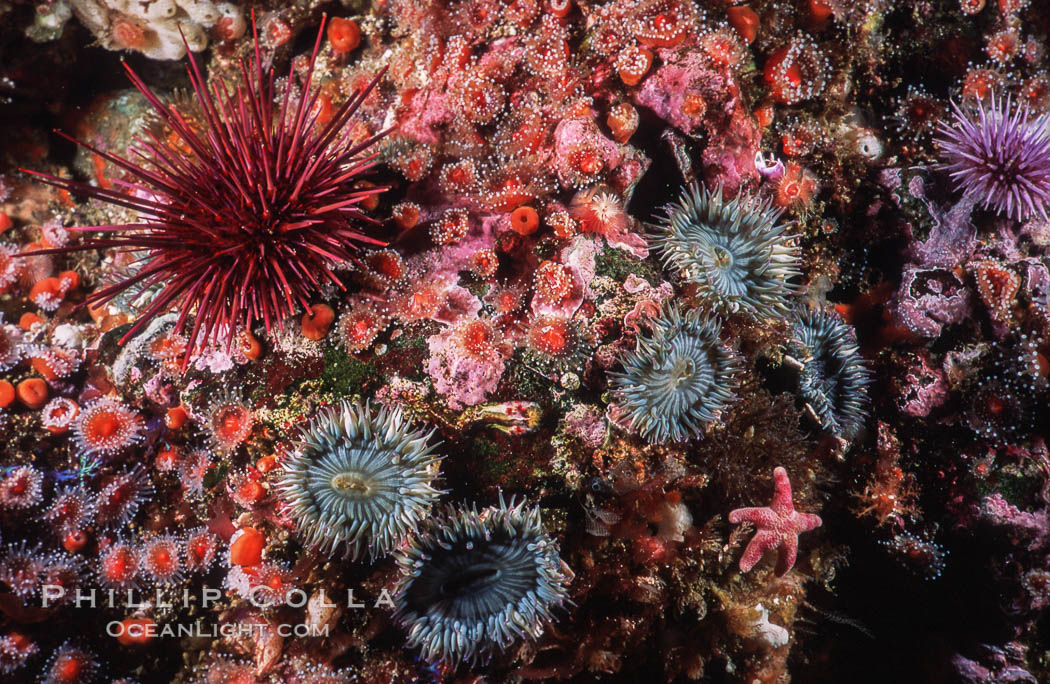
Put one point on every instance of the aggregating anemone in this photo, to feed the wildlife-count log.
(678, 380)
(360, 479)
(833, 378)
(734, 250)
(475, 582)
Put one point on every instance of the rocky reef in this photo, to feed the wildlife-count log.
(520, 340)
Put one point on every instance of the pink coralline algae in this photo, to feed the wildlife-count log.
(779, 525)
(922, 388)
(436, 297)
(1033, 529)
(953, 236)
(649, 301)
(582, 152)
(586, 424)
(682, 92)
(466, 362)
(560, 288)
(730, 159)
(693, 97)
(995, 666)
(929, 299)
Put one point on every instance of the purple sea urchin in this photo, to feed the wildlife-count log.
(999, 156)
(360, 478)
(734, 251)
(250, 222)
(472, 583)
(678, 380)
(833, 378)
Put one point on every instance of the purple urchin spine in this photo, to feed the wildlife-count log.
(1000, 156)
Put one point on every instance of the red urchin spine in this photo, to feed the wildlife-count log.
(258, 217)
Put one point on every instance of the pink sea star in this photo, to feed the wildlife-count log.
(778, 526)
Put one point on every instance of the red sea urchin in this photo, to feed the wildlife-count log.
(1000, 156)
(253, 219)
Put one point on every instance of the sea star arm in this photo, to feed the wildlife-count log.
(782, 496)
(808, 521)
(788, 554)
(757, 515)
(758, 546)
